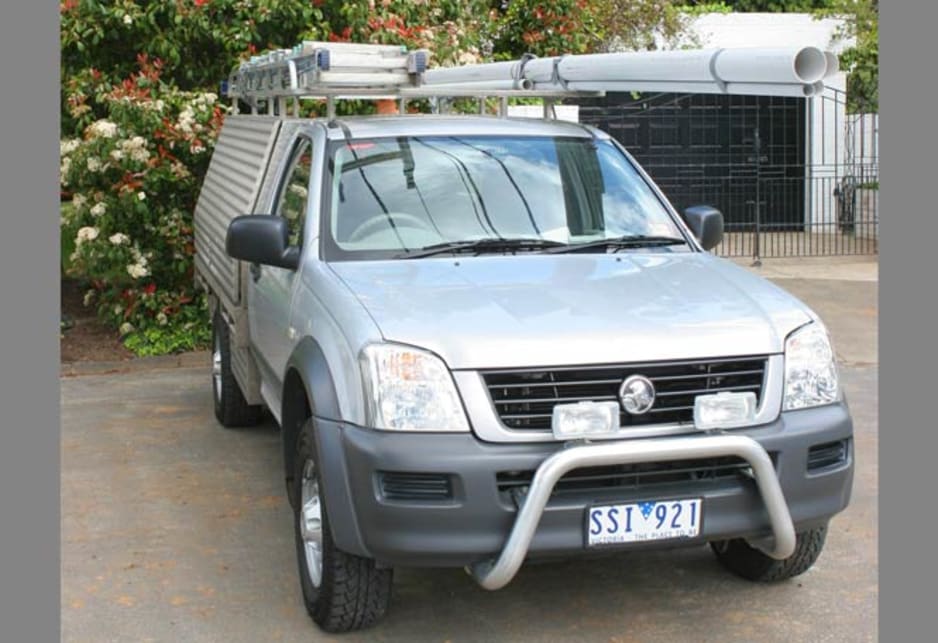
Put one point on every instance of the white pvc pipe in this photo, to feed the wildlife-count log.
(762, 65)
(470, 73)
(483, 85)
(771, 65)
(693, 65)
(746, 89)
(773, 89)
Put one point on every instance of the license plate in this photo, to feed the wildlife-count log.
(643, 521)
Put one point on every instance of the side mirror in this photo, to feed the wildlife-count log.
(706, 223)
(263, 239)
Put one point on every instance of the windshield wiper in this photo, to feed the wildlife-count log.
(616, 243)
(478, 246)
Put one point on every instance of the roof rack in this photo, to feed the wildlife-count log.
(330, 71)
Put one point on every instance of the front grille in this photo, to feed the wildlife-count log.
(525, 399)
(588, 480)
(406, 486)
(830, 454)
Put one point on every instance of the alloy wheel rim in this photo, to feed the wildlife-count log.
(216, 368)
(311, 523)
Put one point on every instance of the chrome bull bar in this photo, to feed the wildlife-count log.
(496, 573)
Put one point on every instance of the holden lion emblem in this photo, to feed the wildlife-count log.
(637, 394)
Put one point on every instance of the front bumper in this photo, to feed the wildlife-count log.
(472, 526)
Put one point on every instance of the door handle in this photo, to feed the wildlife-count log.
(255, 271)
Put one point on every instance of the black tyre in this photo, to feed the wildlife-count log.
(231, 409)
(342, 592)
(750, 563)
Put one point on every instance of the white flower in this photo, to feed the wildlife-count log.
(161, 319)
(94, 165)
(87, 233)
(89, 296)
(137, 269)
(141, 196)
(196, 148)
(64, 169)
(186, 119)
(205, 100)
(126, 328)
(98, 209)
(118, 310)
(68, 146)
(119, 239)
(78, 201)
(103, 128)
(136, 148)
(117, 155)
(128, 20)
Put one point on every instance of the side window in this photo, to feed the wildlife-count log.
(294, 191)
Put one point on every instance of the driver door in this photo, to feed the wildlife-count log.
(270, 289)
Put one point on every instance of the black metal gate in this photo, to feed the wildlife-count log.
(785, 172)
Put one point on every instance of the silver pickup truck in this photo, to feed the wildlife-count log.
(488, 339)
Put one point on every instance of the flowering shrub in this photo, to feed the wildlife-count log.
(135, 146)
(133, 178)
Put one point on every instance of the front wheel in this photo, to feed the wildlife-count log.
(342, 592)
(750, 563)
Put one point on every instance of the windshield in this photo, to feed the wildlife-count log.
(393, 196)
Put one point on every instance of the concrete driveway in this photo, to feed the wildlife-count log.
(174, 528)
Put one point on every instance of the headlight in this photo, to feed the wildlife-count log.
(810, 369)
(408, 389)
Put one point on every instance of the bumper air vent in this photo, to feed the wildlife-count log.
(412, 487)
(828, 455)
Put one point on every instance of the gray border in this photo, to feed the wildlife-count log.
(29, 347)
(909, 560)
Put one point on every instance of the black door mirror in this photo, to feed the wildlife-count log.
(263, 239)
(706, 223)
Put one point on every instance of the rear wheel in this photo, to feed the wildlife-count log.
(231, 409)
(748, 562)
(342, 592)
